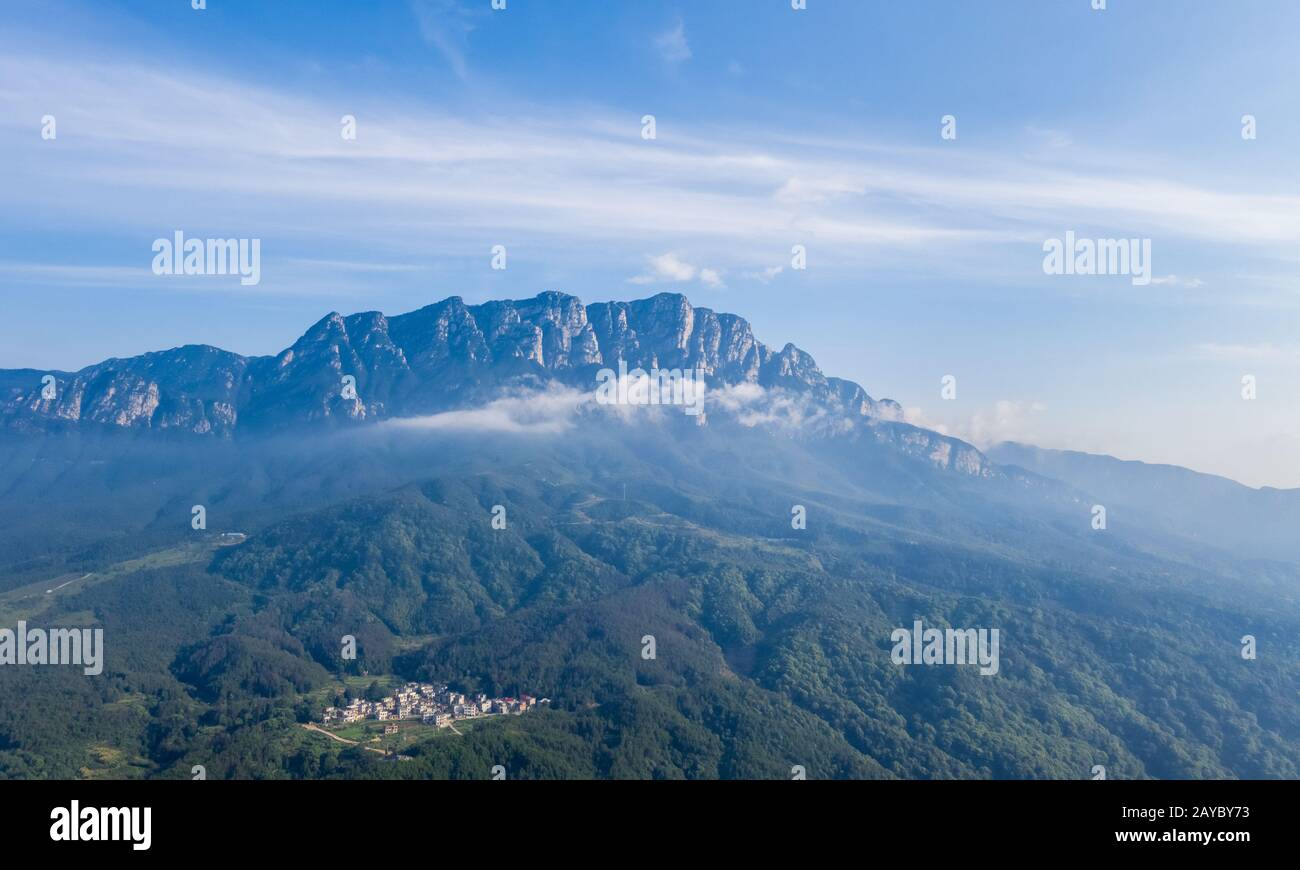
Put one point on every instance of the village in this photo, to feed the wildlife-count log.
(429, 705)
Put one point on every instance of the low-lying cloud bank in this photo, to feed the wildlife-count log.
(558, 409)
(540, 412)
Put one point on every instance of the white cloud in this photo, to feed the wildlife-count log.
(1050, 137)
(671, 268)
(555, 410)
(1006, 420)
(672, 46)
(753, 406)
(766, 276)
(734, 397)
(546, 412)
(78, 276)
(818, 190)
(353, 265)
(417, 183)
(1265, 352)
(446, 25)
(288, 276)
(1175, 281)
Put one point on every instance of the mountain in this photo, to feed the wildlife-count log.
(1254, 523)
(351, 373)
(447, 360)
(443, 356)
(773, 641)
(770, 548)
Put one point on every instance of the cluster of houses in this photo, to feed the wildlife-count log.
(430, 704)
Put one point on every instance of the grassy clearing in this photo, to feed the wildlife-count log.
(30, 601)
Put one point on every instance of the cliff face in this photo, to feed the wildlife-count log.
(367, 367)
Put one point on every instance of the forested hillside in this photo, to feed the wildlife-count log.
(771, 643)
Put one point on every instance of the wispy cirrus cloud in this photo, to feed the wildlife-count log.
(1264, 352)
(446, 26)
(1178, 281)
(253, 160)
(672, 45)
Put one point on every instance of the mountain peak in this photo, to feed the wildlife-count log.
(446, 355)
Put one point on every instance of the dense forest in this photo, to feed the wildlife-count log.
(771, 643)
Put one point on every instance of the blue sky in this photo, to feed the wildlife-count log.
(818, 127)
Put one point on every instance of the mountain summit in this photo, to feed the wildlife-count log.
(444, 356)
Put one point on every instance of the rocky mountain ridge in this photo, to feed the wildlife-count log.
(347, 370)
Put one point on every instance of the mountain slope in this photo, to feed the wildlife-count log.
(1254, 523)
(772, 642)
(371, 517)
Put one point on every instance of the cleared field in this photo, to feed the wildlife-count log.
(30, 601)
